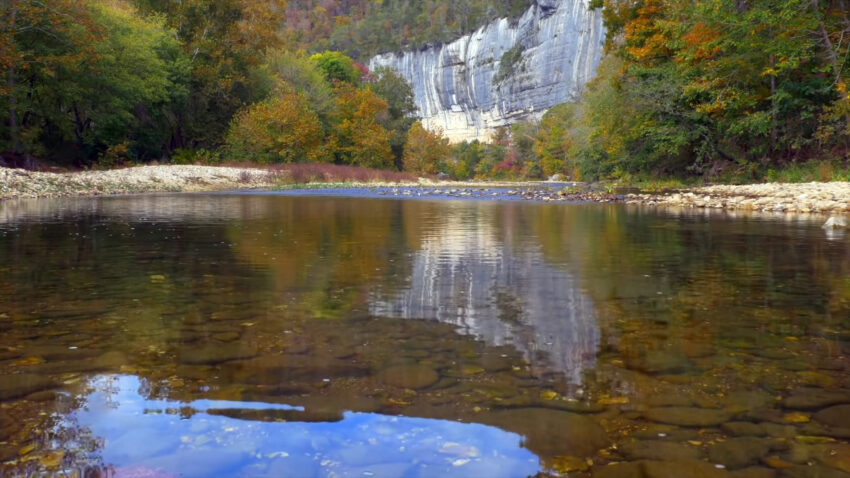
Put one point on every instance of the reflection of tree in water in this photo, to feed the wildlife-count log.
(57, 440)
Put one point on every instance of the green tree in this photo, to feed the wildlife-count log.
(37, 45)
(226, 40)
(522, 137)
(91, 76)
(298, 72)
(337, 67)
(362, 28)
(552, 143)
(398, 94)
(700, 85)
(466, 156)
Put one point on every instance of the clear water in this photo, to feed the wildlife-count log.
(315, 335)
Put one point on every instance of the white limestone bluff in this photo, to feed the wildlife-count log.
(555, 46)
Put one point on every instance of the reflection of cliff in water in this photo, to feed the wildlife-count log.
(468, 274)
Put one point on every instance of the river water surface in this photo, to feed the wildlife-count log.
(329, 336)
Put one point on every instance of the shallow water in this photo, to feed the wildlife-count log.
(316, 335)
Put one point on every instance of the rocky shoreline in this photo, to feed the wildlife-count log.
(19, 183)
(825, 198)
(822, 198)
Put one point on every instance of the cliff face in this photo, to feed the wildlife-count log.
(463, 89)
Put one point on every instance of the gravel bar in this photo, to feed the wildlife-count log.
(824, 198)
(18, 183)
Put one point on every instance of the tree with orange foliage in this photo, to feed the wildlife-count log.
(425, 152)
(281, 129)
(357, 137)
(709, 85)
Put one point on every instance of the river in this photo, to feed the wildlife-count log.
(347, 334)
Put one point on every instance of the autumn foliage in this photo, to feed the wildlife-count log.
(426, 151)
(701, 87)
(281, 129)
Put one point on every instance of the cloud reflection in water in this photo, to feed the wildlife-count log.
(139, 435)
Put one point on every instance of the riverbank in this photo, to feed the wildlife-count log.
(815, 197)
(19, 183)
(826, 198)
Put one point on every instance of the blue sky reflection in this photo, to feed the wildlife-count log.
(143, 436)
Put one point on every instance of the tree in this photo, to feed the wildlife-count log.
(38, 41)
(426, 152)
(358, 137)
(337, 67)
(89, 76)
(281, 129)
(700, 85)
(552, 143)
(466, 156)
(303, 75)
(522, 137)
(398, 94)
(362, 28)
(226, 40)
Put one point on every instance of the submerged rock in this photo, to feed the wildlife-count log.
(837, 416)
(409, 376)
(661, 469)
(212, 355)
(688, 416)
(551, 433)
(680, 469)
(754, 472)
(812, 471)
(739, 452)
(813, 398)
(744, 429)
(659, 450)
(619, 470)
(661, 362)
(19, 385)
(7, 427)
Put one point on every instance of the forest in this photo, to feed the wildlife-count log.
(708, 87)
(741, 88)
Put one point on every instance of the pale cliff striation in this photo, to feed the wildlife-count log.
(550, 52)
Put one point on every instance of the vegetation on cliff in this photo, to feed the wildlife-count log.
(363, 28)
